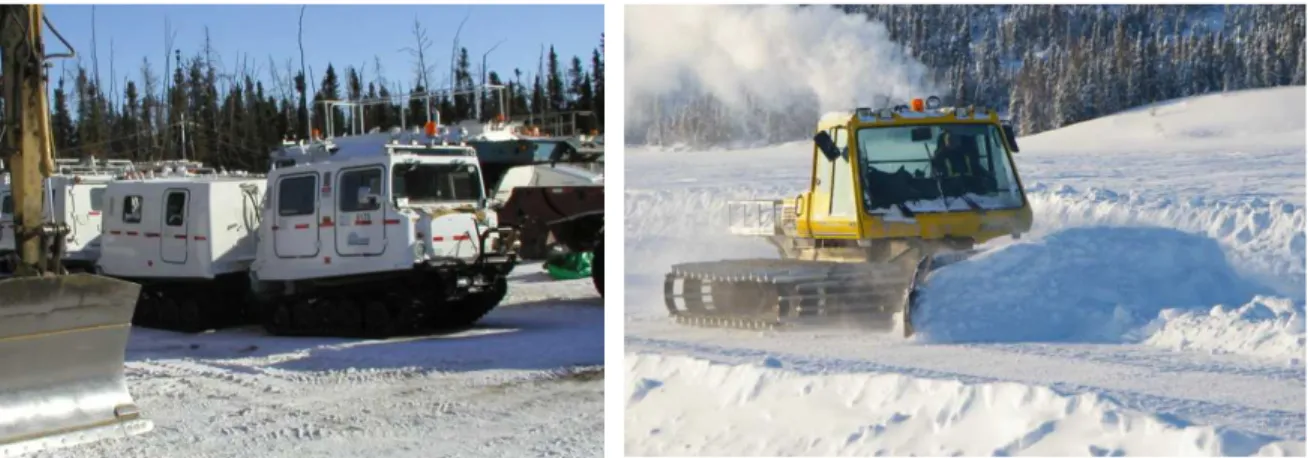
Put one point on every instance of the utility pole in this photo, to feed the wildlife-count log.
(483, 79)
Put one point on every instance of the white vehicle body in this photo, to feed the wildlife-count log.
(75, 201)
(545, 175)
(74, 197)
(374, 204)
(180, 228)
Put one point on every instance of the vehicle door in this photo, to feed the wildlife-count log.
(360, 213)
(85, 211)
(295, 222)
(173, 247)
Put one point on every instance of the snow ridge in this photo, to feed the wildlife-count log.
(683, 405)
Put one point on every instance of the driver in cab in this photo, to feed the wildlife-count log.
(957, 162)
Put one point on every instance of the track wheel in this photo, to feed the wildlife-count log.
(304, 315)
(345, 314)
(167, 312)
(146, 309)
(190, 316)
(477, 305)
(277, 316)
(376, 319)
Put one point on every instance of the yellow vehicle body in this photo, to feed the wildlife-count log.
(838, 256)
(812, 209)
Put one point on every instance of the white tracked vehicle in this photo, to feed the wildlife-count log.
(73, 202)
(189, 243)
(378, 235)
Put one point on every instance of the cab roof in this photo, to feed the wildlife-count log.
(903, 115)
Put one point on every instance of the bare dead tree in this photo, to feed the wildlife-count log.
(113, 78)
(95, 61)
(304, 101)
(419, 52)
(454, 48)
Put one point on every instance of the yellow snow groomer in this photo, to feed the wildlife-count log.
(894, 193)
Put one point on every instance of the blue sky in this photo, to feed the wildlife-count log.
(343, 35)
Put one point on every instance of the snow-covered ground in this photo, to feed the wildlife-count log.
(527, 381)
(1156, 308)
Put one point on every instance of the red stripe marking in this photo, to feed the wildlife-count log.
(392, 221)
(131, 232)
(180, 236)
(463, 237)
(116, 232)
(276, 227)
(438, 239)
(151, 234)
(201, 238)
(301, 226)
(362, 223)
(93, 214)
(326, 222)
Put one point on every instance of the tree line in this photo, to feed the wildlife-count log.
(234, 118)
(1043, 66)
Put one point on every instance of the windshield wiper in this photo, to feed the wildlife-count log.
(905, 210)
(971, 204)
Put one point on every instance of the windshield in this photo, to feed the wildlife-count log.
(429, 183)
(936, 168)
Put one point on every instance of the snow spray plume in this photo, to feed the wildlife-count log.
(736, 75)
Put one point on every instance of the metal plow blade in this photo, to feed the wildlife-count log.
(63, 341)
(771, 293)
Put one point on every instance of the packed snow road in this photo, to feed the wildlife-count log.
(1156, 308)
(527, 381)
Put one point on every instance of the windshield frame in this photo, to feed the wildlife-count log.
(1006, 192)
(399, 184)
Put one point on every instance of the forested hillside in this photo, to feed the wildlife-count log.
(233, 117)
(1044, 66)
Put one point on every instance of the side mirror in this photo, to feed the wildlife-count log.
(1011, 136)
(920, 134)
(827, 146)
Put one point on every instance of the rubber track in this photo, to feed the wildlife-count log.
(763, 294)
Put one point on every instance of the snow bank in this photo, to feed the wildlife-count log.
(1266, 327)
(1263, 238)
(680, 406)
(1249, 120)
(1077, 284)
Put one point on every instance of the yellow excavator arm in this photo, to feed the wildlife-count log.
(63, 337)
(27, 140)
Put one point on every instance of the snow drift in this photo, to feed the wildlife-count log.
(1264, 238)
(1081, 284)
(1265, 327)
(678, 405)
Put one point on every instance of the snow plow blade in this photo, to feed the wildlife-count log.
(771, 293)
(63, 341)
